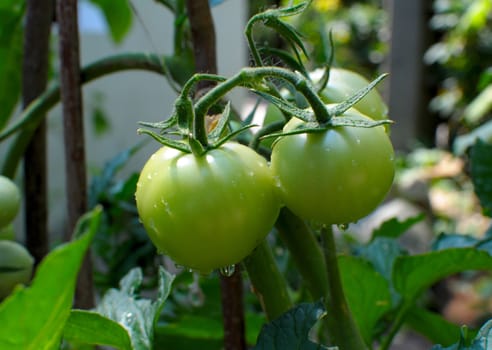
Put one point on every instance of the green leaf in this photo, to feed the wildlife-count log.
(394, 228)
(118, 15)
(454, 240)
(482, 341)
(11, 48)
(382, 253)
(138, 316)
(191, 332)
(306, 115)
(291, 330)
(356, 121)
(221, 126)
(341, 108)
(88, 327)
(34, 317)
(481, 174)
(432, 325)
(413, 274)
(367, 293)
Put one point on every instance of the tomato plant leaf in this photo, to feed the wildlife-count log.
(482, 341)
(367, 292)
(356, 121)
(305, 114)
(433, 326)
(137, 315)
(341, 108)
(33, 318)
(222, 123)
(88, 327)
(411, 274)
(382, 253)
(453, 240)
(11, 46)
(394, 228)
(118, 16)
(291, 330)
(481, 174)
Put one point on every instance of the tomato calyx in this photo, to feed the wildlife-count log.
(181, 125)
(339, 114)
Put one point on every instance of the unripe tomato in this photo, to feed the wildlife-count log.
(7, 232)
(344, 83)
(15, 266)
(9, 201)
(335, 176)
(208, 211)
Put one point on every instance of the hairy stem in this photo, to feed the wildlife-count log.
(252, 77)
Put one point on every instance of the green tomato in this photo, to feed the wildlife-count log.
(344, 83)
(208, 211)
(7, 232)
(9, 201)
(15, 266)
(336, 176)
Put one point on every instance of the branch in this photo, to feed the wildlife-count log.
(73, 128)
(35, 112)
(34, 80)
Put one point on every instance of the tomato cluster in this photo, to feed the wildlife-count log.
(211, 210)
(16, 263)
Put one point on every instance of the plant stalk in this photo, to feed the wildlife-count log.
(35, 64)
(305, 251)
(268, 283)
(342, 328)
(248, 77)
(73, 128)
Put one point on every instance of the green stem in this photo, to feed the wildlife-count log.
(267, 129)
(342, 328)
(251, 43)
(395, 325)
(305, 252)
(36, 111)
(248, 77)
(268, 283)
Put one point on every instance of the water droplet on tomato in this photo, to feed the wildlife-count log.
(227, 271)
(343, 227)
(149, 176)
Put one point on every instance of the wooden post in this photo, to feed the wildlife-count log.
(408, 93)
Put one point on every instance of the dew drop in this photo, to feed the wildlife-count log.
(358, 141)
(129, 317)
(343, 227)
(149, 176)
(227, 271)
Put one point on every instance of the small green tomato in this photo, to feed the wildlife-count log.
(9, 201)
(15, 266)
